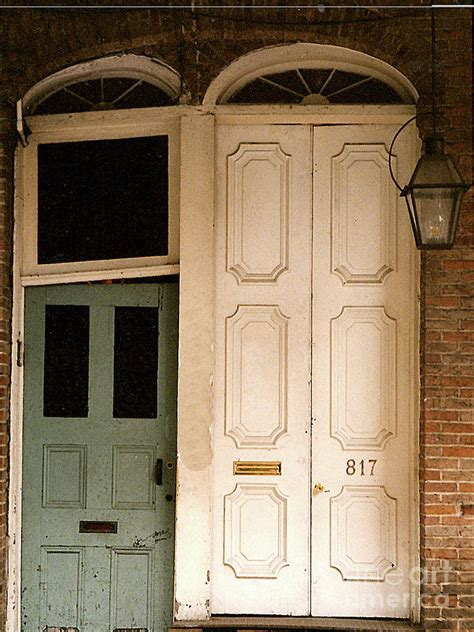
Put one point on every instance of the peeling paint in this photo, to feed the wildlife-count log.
(196, 357)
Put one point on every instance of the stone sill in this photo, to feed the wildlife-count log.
(296, 623)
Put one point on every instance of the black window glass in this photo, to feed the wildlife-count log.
(104, 199)
(336, 86)
(106, 93)
(66, 361)
(136, 362)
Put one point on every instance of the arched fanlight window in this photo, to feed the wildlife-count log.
(110, 83)
(313, 86)
(310, 74)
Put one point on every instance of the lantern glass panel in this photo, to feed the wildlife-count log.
(434, 209)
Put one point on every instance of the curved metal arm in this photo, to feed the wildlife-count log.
(390, 151)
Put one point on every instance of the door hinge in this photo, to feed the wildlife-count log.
(19, 353)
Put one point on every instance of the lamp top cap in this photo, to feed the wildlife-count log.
(434, 145)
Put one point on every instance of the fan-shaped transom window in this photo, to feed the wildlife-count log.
(309, 74)
(315, 86)
(114, 93)
(111, 83)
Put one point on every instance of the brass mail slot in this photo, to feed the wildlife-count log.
(257, 468)
(97, 526)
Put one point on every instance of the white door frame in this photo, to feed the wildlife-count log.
(196, 357)
(61, 128)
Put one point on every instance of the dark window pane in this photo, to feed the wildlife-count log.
(113, 93)
(288, 87)
(103, 199)
(136, 362)
(66, 361)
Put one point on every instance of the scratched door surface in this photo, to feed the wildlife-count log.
(99, 456)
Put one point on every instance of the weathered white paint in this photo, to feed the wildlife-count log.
(375, 297)
(130, 122)
(262, 379)
(280, 58)
(364, 323)
(196, 368)
(98, 275)
(311, 114)
(16, 415)
(106, 127)
(137, 67)
(103, 124)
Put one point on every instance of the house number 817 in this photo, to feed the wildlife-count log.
(353, 467)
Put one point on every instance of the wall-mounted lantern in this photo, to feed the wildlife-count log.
(436, 188)
(434, 196)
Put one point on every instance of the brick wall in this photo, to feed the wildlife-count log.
(6, 189)
(446, 437)
(447, 367)
(200, 44)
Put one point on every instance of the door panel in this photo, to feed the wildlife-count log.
(97, 544)
(263, 268)
(363, 322)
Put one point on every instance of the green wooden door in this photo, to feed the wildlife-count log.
(99, 457)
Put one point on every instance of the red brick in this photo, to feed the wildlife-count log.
(443, 301)
(459, 265)
(462, 428)
(455, 520)
(440, 487)
(458, 451)
(439, 509)
(441, 415)
(458, 336)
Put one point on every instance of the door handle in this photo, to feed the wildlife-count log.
(159, 472)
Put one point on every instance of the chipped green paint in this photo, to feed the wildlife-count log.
(98, 468)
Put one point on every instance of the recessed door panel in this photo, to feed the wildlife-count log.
(61, 581)
(251, 510)
(59, 490)
(256, 376)
(92, 501)
(258, 216)
(363, 202)
(134, 477)
(132, 588)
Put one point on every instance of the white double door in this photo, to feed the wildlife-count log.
(314, 379)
